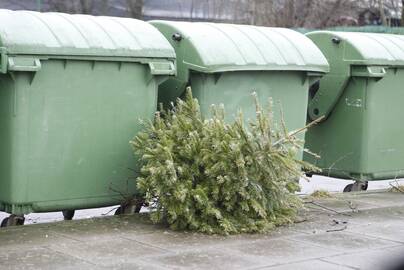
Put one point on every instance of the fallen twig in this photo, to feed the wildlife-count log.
(337, 222)
(353, 207)
(337, 230)
(327, 208)
(396, 187)
(113, 209)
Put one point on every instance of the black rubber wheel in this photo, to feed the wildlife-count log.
(348, 188)
(19, 221)
(365, 185)
(118, 211)
(4, 223)
(139, 206)
(68, 214)
(13, 220)
(357, 186)
(124, 208)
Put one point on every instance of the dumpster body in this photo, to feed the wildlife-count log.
(225, 63)
(361, 99)
(72, 88)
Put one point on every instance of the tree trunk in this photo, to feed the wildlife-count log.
(308, 7)
(104, 7)
(402, 13)
(135, 8)
(382, 14)
(86, 6)
(328, 15)
(253, 13)
(290, 13)
(191, 12)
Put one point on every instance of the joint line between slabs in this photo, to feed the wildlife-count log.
(145, 244)
(68, 255)
(343, 265)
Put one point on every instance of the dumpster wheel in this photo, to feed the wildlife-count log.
(129, 208)
(68, 214)
(357, 186)
(13, 220)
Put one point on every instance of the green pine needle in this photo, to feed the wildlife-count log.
(211, 176)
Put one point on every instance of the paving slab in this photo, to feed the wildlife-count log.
(351, 202)
(348, 231)
(29, 236)
(385, 223)
(308, 265)
(345, 241)
(378, 198)
(281, 250)
(40, 258)
(380, 259)
(170, 240)
(108, 253)
(209, 258)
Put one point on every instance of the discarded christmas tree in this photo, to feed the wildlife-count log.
(211, 176)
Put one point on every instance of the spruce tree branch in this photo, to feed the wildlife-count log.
(293, 133)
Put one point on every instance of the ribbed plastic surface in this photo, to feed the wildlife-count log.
(370, 47)
(224, 46)
(27, 32)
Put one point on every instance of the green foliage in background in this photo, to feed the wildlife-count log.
(364, 29)
(370, 29)
(216, 177)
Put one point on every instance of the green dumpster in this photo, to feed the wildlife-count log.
(72, 88)
(225, 63)
(361, 137)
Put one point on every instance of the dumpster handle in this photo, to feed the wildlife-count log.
(30, 64)
(162, 68)
(368, 71)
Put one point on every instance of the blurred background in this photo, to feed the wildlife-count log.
(282, 13)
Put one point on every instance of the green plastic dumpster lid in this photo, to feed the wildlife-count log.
(210, 47)
(34, 33)
(363, 48)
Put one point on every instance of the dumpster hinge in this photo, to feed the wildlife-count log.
(3, 60)
(329, 91)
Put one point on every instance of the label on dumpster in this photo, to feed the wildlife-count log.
(355, 102)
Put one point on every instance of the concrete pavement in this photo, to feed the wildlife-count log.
(348, 231)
